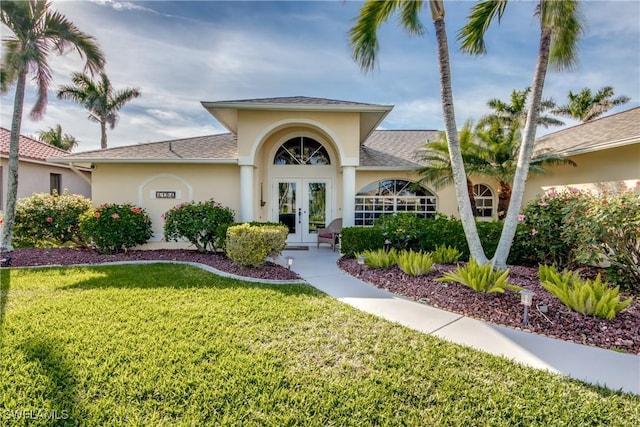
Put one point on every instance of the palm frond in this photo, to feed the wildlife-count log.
(471, 36)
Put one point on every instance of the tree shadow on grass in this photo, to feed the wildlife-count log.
(175, 276)
(5, 285)
(56, 383)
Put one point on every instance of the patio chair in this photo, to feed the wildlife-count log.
(331, 233)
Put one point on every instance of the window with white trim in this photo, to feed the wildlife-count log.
(483, 196)
(390, 196)
(301, 150)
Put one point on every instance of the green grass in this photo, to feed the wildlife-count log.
(174, 345)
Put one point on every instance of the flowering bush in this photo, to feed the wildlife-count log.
(203, 224)
(608, 234)
(546, 232)
(49, 219)
(113, 228)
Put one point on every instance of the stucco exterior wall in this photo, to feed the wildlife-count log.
(35, 178)
(138, 184)
(612, 165)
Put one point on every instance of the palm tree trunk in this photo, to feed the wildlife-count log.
(14, 159)
(457, 165)
(526, 151)
(472, 198)
(103, 135)
(504, 198)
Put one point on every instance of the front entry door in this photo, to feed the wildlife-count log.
(303, 205)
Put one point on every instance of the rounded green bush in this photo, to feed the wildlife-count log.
(203, 224)
(49, 219)
(113, 228)
(250, 245)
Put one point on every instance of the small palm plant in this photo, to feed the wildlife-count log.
(379, 258)
(480, 278)
(415, 263)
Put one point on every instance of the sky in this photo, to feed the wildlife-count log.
(179, 53)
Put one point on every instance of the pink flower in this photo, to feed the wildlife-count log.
(97, 214)
(136, 211)
(115, 216)
(520, 218)
(534, 232)
(49, 220)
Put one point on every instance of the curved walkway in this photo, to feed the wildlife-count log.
(616, 371)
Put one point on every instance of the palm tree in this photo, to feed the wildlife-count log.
(99, 99)
(560, 29)
(364, 42)
(516, 110)
(54, 137)
(36, 31)
(585, 107)
(437, 160)
(496, 157)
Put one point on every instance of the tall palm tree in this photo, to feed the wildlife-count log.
(364, 42)
(560, 30)
(99, 99)
(515, 110)
(35, 32)
(586, 107)
(54, 137)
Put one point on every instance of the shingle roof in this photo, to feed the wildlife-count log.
(294, 100)
(606, 132)
(29, 149)
(394, 148)
(211, 147)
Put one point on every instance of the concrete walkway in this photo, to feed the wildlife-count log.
(616, 371)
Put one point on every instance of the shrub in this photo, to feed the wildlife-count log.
(415, 263)
(546, 234)
(591, 298)
(49, 219)
(250, 245)
(480, 278)
(608, 233)
(113, 228)
(446, 255)
(380, 258)
(354, 240)
(402, 230)
(203, 224)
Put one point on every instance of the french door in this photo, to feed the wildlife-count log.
(303, 205)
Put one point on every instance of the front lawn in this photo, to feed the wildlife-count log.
(174, 345)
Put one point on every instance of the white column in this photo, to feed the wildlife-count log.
(348, 195)
(246, 193)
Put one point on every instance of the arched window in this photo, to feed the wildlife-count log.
(389, 196)
(301, 150)
(483, 196)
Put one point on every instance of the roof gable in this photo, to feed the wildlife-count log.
(29, 148)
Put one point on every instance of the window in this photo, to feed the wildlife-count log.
(301, 151)
(391, 196)
(484, 200)
(55, 183)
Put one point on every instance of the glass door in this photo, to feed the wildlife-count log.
(303, 206)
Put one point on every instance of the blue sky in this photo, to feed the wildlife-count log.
(179, 53)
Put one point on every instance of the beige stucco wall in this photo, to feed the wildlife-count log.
(34, 178)
(343, 128)
(612, 165)
(137, 183)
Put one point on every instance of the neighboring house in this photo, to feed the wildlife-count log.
(300, 161)
(606, 152)
(35, 175)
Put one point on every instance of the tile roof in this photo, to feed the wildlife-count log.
(394, 148)
(211, 147)
(606, 132)
(29, 148)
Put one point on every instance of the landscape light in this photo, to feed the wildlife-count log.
(526, 298)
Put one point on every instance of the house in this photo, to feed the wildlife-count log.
(296, 160)
(606, 152)
(35, 174)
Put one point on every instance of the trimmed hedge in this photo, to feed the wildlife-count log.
(360, 239)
